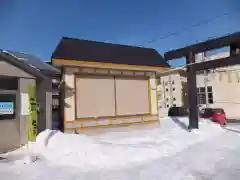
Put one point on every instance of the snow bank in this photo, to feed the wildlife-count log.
(55, 139)
(115, 150)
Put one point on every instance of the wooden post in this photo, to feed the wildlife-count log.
(192, 93)
(62, 101)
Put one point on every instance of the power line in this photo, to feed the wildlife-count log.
(185, 29)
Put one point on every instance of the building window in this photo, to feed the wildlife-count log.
(210, 95)
(173, 82)
(209, 89)
(8, 92)
(174, 89)
(174, 99)
(55, 103)
(159, 81)
(201, 95)
(201, 98)
(201, 90)
(8, 83)
(55, 83)
(166, 89)
(7, 106)
(160, 95)
(167, 106)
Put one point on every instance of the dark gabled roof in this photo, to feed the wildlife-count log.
(33, 62)
(25, 67)
(203, 46)
(92, 51)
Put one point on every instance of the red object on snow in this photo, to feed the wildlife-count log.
(215, 114)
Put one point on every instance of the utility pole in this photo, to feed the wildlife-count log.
(170, 90)
(205, 80)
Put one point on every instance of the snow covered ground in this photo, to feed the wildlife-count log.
(160, 152)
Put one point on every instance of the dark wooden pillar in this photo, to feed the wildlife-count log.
(62, 101)
(192, 93)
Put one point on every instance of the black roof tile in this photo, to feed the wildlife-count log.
(34, 62)
(85, 50)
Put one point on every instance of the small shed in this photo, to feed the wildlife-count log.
(24, 79)
(106, 84)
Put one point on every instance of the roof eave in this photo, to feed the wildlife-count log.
(75, 63)
(25, 67)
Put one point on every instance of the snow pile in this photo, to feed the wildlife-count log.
(116, 150)
(141, 149)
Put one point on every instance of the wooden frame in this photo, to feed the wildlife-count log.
(109, 69)
(211, 44)
(189, 52)
(110, 125)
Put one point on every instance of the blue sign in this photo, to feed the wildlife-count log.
(6, 108)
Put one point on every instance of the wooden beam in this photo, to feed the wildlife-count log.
(203, 46)
(212, 64)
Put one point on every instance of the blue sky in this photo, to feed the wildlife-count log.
(36, 26)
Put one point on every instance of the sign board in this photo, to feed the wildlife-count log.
(24, 104)
(32, 117)
(6, 108)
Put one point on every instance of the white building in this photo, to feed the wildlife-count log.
(222, 88)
